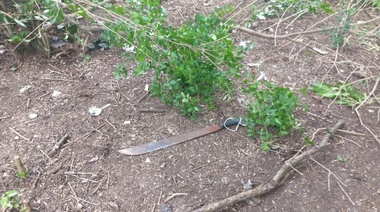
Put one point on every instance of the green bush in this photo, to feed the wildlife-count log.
(271, 111)
(31, 22)
(189, 62)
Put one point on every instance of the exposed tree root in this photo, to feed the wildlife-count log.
(276, 181)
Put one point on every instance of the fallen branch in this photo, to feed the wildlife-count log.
(286, 36)
(58, 145)
(277, 180)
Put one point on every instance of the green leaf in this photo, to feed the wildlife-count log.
(22, 175)
(309, 142)
(11, 193)
(141, 58)
(19, 22)
(265, 146)
(72, 29)
(326, 7)
(305, 108)
(10, 199)
(4, 202)
(3, 18)
(82, 13)
(16, 39)
(341, 159)
(120, 10)
(303, 91)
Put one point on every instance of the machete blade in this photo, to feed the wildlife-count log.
(163, 143)
(160, 144)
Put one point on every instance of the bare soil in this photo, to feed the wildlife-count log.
(88, 174)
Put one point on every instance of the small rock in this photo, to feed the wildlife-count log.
(60, 26)
(33, 115)
(147, 160)
(244, 43)
(94, 159)
(166, 208)
(225, 180)
(13, 68)
(25, 88)
(95, 111)
(253, 202)
(290, 192)
(247, 185)
(359, 72)
(56, 93)
(79, 206)
(113, 205)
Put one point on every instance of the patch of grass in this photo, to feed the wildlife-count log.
(272, 112)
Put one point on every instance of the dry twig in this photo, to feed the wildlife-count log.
(23, 137)
(174, 195)
(87, 134)
(362, 103)
(58, 145)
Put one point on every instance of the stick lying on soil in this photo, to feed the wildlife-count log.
(58, 145)
(276, 181)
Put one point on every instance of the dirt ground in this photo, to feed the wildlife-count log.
(88, 174)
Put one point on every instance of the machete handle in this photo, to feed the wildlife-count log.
(231, 122)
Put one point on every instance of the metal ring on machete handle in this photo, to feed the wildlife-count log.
(233, 121)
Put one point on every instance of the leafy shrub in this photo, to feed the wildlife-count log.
(189, 62)
(29, 23)
(272, 111)
(338, 35)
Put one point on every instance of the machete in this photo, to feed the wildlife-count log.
(160, 144)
